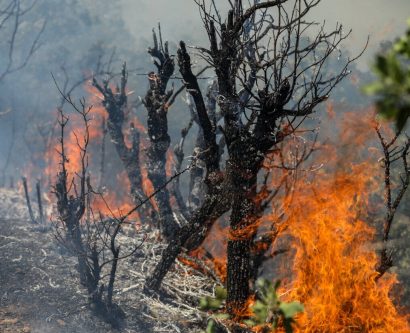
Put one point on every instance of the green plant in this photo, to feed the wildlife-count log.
(392, 87)
(213, 303)
(268, 311)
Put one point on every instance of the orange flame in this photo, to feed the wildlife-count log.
(112, 202)
(325, 218)
(334, 258)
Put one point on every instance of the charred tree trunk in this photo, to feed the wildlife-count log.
(40, 204)
(128, 156)
(156, 102)
(115, 103)
(71, 210)
(239, 268)
(30, 209)
(190, 236)
(244, 167)
(217, 198)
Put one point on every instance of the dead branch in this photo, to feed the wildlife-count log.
(26, 193)
(11, 14)
(115, 103)
(393, 153)
(157, 102)
(40, 204)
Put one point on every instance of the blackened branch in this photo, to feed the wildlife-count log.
(392, 152)
(191, 84)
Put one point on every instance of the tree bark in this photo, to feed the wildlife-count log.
(244, 167)
(191, 235)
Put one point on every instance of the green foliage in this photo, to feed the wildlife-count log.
(213, 303)
(268, 310)
(392, 87)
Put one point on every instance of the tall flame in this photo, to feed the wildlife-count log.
(334, 259)
(325, 215)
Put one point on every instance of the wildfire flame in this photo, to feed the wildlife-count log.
(334, 258)
(325, 217)
(111, 202)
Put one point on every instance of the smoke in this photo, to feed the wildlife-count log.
(378, 19)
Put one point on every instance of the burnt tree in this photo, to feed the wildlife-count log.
(270, 75)
(115, 102)
(93, 240)
(269, 78)
(157, 102)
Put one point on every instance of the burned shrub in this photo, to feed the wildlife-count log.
(92, 238)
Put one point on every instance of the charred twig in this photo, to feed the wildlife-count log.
(392, 153)
(11, 14)
(40, 204)
(102, 162)
(30, 210)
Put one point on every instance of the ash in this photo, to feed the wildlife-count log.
(40, 290)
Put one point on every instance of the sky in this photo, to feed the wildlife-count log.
(378, 19)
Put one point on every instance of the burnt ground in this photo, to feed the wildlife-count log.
(40, 291)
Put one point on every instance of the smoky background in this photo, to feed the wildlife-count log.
(77, 33)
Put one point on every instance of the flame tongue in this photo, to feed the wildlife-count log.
(334, 260)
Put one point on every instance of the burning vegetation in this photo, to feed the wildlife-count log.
(337, 272)
(266, 219)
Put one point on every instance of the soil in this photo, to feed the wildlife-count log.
(40, 291)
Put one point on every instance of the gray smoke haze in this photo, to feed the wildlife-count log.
(78, 30)
(380, 19)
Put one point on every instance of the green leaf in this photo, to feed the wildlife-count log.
(382, 65)
(222, 316)
(211, 326)
(289, 310)
(249, 322)
(373, 88)
(393, 84)
(209, 303)
(395, 70)
(402, 116)
(220, 293)
(260, 311)
(261, 283)
(214, 304)
(203, 303)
